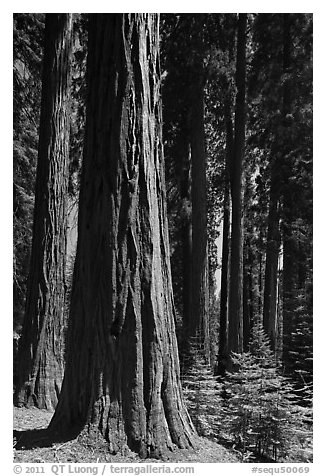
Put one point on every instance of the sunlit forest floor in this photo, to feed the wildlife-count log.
(32, 444)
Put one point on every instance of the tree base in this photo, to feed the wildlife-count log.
(44, 396)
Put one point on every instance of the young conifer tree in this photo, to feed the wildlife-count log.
(261, 411)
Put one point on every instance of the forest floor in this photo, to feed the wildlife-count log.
(32, 444)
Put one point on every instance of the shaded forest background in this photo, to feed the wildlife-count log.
(237, 135)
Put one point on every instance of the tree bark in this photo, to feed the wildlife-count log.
(223, 331)
(186, 237)
(122, 373)
(40, 360)
(235, 331)
(248, 294)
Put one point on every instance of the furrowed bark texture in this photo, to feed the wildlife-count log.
(40, 360)
(235, 336)
(122, 372)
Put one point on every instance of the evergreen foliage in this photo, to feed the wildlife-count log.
(261, 408)
(201, 390)
(301, 369)
(255, 408)
(78, 102)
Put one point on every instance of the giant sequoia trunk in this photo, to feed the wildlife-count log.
(122, 371)
(40, 360)
(235, 331)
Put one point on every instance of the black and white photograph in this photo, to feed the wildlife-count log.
(162, 241)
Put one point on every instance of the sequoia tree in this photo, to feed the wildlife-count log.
(199, 321)
(40, 359)
(184, 121)
(269, 72)
(122, 371)
(235, 308)
(223, 331)
(27, 80)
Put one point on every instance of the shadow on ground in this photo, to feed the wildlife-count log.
(34, 443)
(39, 438)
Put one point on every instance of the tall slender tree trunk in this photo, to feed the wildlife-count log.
(272, 258)
(186, 237)
(122, 372)
(290, 256)
(40, 360)
(187, 250)
(235, 331)
(261, 277)
(248, 295)
(199, 323)
(187, 271)
(223, 331)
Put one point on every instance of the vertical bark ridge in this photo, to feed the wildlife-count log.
(122, 375)
(40, 358)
